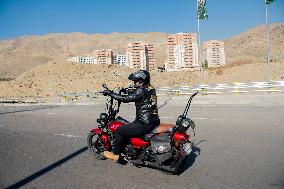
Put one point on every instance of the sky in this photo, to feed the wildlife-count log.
(226, 18)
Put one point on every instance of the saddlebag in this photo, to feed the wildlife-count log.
(161, 146)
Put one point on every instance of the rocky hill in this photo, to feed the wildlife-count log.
(21, 54)
(250, 46)
(38, 68)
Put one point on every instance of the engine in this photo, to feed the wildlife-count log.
(130, 152)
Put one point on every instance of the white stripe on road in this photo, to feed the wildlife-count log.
(160, 117)
(193, 118)
(51, 113)
(167, 117)
(199, 118)
(65, 135)
(203, 118)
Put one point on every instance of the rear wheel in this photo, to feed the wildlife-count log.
(95, 146)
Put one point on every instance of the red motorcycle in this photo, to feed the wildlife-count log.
(164, 148)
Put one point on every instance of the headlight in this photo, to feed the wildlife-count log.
(103, 116)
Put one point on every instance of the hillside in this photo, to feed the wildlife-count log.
(250, 46)
(40, 69)
(21, 54)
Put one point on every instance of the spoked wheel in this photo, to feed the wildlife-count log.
(95, 146)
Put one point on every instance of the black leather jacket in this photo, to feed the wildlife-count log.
(145, 99)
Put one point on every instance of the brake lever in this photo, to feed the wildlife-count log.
(105, 86)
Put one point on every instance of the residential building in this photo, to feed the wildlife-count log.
(140, 56)
(82, 59)
(214, 53)
(120, 59)
(182, 52)
(74, 59)
(104, 56)
(87, 60)
(150, 58)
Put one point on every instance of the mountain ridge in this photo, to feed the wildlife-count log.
(36, 66)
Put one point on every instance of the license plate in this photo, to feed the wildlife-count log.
(187, 148)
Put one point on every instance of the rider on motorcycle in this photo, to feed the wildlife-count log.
(147, 117)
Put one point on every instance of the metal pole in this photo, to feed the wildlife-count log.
(198, 47)
(267, 43)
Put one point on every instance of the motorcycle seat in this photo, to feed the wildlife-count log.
(162, 128)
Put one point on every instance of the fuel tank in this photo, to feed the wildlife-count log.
(113, 126)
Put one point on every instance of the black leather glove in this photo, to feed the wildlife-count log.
(123, 91)
(107, 92)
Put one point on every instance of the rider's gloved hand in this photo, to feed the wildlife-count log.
(107, 92)
(123, 90)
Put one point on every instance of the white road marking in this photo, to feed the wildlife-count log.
(51, 113)
(193, 118)
(167, 117)
(203, 118)
(70, 136)
(160, 117)
(200, 118)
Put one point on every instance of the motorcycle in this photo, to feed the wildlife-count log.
(164, 148)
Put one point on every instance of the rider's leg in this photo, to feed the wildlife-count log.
(118, 143)
(133, 129)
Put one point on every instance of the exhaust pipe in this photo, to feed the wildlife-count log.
(162, 167)
(174, 170)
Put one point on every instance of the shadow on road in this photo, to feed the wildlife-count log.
(46, 169)
(189, 161)
(27, 110)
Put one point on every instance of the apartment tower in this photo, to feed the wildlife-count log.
(214, 53)
(140, 56)
(182, 52)
(103, 56)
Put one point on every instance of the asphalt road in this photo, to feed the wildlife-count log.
(45, 147)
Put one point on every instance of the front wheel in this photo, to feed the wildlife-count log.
(95, 146)
(184, 150)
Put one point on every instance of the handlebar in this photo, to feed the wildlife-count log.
(111, 111)
(121, 91)
(105, 86)
(188, 103)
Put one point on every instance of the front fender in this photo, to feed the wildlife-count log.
(96, 131)
(181, 136)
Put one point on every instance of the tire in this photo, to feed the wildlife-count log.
(178, 165)
(178, 162)
(95, 146)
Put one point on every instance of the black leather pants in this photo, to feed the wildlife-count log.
(130, 130)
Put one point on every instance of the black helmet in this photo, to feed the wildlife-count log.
(143, 76)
